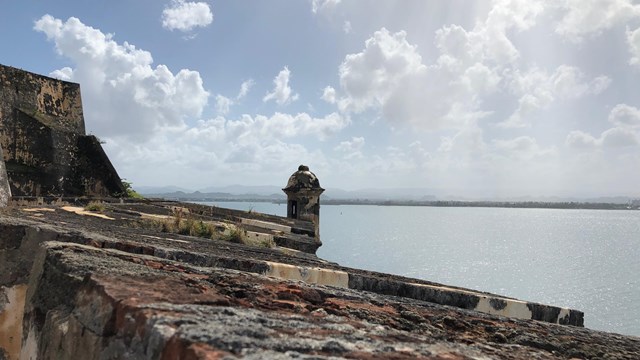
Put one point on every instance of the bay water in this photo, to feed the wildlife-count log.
(587, 260)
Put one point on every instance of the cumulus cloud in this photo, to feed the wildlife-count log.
(223, 104)
(538, 89)
(122, 93)
(66, 74)
(185, 16)
(351, 149)
(244, 88)
(580, 140)
(390, 75)
(625, 115)
(591, 17)
(282, 93)
(467, 143)
(625, 133)
(318, 6)
(329, 95)
(142, 111)
(633, 40)
(619, 137)
(521, 147)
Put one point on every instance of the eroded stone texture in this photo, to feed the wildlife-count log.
(100, 288)
(11, 313)
(136, 307)
(45, 151)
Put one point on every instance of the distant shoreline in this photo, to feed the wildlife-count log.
(436, 203)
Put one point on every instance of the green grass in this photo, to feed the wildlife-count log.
(95, 206)
(184, 224)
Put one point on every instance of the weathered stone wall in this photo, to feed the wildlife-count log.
(42, 132)
(58, 103)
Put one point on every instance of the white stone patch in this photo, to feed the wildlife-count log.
(11, 319)
(513, 309)
(259, 237)
(267, 225)
(309, 275)
(82, 211)
(564, 312)
(30, 346)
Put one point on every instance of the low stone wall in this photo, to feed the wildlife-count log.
(97, 288)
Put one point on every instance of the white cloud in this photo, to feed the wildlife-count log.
(467, 143)
(619, 137)
(329, 95)
(141, 112)
(616, 137)
(633, 40)
(244, 88)
(223, 104)
(257, 141)
(346, 27)
(521, 147)
(488, 42)
(185, 16)
(352, 149)
(538, 89)
(66, 74)
(389, 74)
(122, 93)
(625, 115)
(580, 140)
(282, 93)
(318, 6)
(592, 17)
(625, 133)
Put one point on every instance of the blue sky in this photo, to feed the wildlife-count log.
(476, 98)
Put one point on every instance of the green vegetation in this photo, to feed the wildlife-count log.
(95, 206)
(184, 224)
(235, 234)
(129, 192)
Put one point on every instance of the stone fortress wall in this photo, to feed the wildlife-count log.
(45, 150)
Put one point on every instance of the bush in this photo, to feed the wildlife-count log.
(129, 192)
(186, 225)
(95, 206)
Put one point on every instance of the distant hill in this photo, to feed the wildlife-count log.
(145, 190)
(274, 193)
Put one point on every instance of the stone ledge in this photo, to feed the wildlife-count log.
(103, 290)
(122, 305)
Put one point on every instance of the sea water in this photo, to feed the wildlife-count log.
(587, 260)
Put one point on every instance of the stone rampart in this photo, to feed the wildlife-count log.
(102, 286)
(45, 151)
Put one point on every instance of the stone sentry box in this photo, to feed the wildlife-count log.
(303, 197)
(45, 151)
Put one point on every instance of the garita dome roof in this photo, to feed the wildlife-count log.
(303, 179)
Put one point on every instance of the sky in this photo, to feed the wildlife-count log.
(480, 98)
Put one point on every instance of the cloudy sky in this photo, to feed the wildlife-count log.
(487, 98)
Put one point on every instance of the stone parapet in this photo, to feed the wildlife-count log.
(106, 289)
